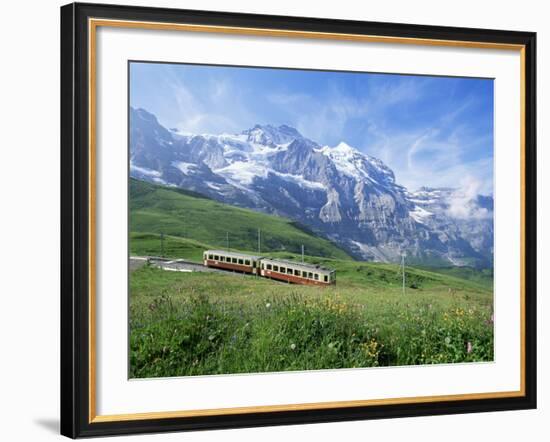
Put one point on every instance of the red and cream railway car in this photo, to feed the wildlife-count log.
(279, 269)
(297, 273)
(239, 262)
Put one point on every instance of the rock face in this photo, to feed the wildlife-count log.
(338, 192)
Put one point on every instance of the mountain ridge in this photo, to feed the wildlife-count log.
(351, 198)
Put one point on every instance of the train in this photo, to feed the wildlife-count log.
(278, 269)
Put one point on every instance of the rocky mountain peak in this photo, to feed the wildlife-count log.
(271, 135)
(143, 114)
(340, 192)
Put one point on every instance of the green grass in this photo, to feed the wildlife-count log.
(178, 213)
(384, 276)
(387, 276)
(483, 277)
(148, 244)
(211, 323)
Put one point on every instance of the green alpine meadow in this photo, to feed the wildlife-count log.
(200, 323)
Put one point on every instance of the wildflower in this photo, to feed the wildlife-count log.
(211, 337)
(447, 340)
(293, 346)
(469, 347)
(268, 305)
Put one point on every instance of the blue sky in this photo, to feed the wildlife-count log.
(432, 131)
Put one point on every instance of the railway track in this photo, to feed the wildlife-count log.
(182, 265)
(174, 265)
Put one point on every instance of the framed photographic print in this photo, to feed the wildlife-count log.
(274, 220)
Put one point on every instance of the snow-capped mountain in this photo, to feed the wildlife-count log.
(339, 192)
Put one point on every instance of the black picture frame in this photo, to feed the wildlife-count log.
(75, 220)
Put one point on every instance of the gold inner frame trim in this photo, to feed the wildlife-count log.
(298, 34)
(93, 24)
(298, 407)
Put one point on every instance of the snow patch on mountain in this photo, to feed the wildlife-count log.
(345, 159)
(214, 186)
(355, 164)
(268, 135)
(420, 215)
(243, 173)
(144, 170)
(186, 168)
(300, 181)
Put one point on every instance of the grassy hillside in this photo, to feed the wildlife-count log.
(212, 323)
(356, 274)
(148, 244)
(178, 213)
(384, 276)
(483, 277)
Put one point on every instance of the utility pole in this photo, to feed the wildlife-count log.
(259, 242)
(302, 253)
(161, 244)
(403, 269)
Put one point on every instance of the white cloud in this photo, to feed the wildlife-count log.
(321, 118)
(438, 155)
(463, 202)
(408, 89)
(215, 109)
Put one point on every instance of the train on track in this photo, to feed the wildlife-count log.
(279, 269)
